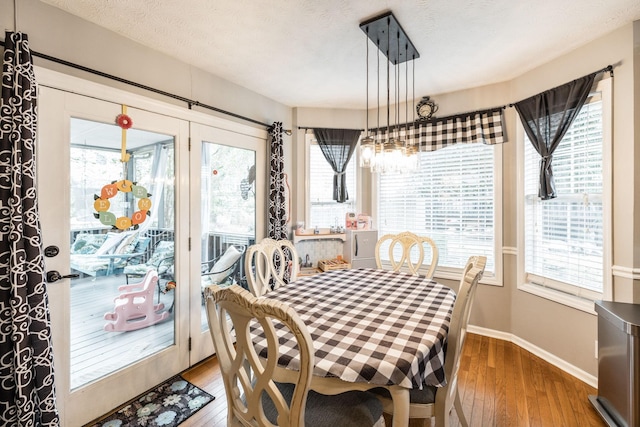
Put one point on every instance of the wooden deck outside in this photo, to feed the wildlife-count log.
(96, 352)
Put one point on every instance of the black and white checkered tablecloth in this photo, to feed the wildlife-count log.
(367, 325)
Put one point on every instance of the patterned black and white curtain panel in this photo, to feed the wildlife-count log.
(484, 127)
(337, 146)
(277, 226)
(27, 394)
(546, 117)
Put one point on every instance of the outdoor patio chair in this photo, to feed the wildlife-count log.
(106, 254)
(161, 260)
(221, 270)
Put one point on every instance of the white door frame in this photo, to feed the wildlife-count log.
(201, 344)
(119, 387)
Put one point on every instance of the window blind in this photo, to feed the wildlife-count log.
(564, 236)
(450, 198)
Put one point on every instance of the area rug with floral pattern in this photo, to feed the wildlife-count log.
(167, 405)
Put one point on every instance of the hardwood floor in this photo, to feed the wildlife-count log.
(500, 384)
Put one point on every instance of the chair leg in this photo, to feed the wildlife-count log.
(457, 403)
(442, 421)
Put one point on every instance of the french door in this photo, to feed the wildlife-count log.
(228, 188)
(144, 209)
(113, 207)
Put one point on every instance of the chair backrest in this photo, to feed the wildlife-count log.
(246, 377)
(412, 250)
(456, 337)
(270, 264)
(142, 245)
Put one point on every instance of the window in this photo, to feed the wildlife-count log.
(453, 198)
(91, 169)
(144, 163)
(324, 212)
(564, 238)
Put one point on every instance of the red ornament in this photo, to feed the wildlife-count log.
(124, 121)
(215, 171)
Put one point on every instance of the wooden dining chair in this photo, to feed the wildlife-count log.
(253, 398)
(412, 251)
(437, 402)
(270, 264)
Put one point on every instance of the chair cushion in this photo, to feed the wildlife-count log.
(161, 261)
(165, 249)
(221, 268)
(86, 243)
(127, 245)
(111, 242)
(137, 269)
(350, 409)
(89, 264)
(425, 396)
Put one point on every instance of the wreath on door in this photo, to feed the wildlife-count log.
(101, 202)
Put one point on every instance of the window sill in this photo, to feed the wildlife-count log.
(559, 297)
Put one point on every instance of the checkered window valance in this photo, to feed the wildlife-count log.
(476, 127)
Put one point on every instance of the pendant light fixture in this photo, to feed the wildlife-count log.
(391, 153)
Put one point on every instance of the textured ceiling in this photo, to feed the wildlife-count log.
(311, 53)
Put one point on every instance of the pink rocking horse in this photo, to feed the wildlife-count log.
(134, 307)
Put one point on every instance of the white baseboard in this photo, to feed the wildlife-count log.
(543, 354)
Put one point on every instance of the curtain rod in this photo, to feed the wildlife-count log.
(608, 68)
(437, 119)
(189, 102)
(320, 127)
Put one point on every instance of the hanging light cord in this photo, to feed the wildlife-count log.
(388, 83)
(413, 102)
(378, 81)
(406, 93)
(398, 85)
(367, 41)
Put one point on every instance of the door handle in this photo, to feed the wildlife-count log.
(54, 276)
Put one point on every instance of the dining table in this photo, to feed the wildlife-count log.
(370, 328)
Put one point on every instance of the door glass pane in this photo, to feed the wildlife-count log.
(122, 236)
(228, 177)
